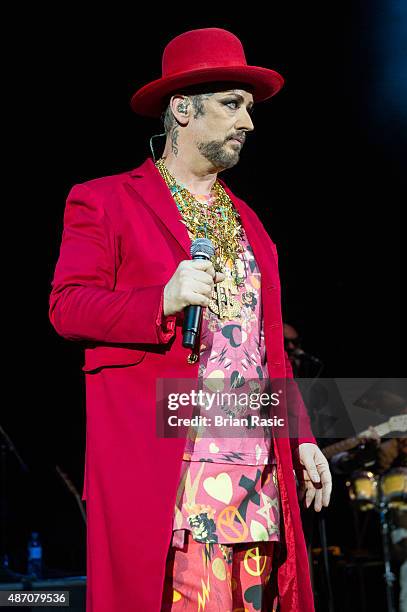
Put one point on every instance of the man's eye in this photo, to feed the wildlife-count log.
(232, 102)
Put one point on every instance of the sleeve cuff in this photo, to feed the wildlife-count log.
(295, 442)
(165, 323)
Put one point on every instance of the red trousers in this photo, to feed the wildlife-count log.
(220, 578)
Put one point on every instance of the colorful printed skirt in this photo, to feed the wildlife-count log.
(221, 578)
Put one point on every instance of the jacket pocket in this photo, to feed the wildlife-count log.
(109, 357)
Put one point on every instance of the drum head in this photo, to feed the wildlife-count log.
(393, 485)
(363, 490)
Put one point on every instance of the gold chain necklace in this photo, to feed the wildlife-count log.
(220, 223)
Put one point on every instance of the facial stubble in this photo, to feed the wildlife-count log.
(215, 152)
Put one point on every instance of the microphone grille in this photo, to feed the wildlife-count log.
(202, 246)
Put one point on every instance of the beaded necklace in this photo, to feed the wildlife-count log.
(219, 222)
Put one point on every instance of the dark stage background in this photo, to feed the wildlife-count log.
(324, 169)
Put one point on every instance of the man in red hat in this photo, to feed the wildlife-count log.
(211, 523)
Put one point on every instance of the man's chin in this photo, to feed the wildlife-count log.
(224, 157)
(235, 160)
(230, 159)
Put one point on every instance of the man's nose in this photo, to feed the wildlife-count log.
(244, 121)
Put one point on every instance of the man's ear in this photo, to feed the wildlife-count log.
(181, 108)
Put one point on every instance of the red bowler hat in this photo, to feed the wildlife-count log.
(204, 56)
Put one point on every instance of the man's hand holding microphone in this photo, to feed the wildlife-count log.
(191, 287)
(191, 284)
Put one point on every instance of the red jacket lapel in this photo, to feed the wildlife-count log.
(150, 186)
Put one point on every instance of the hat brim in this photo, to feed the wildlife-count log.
(149, 100)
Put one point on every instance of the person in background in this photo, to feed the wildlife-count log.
(381, 456)
(304, 364)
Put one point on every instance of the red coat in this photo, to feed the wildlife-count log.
(122, 241)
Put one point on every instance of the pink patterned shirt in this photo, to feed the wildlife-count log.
(228, 490)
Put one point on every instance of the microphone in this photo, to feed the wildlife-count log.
(300, 354)
(201, 248)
